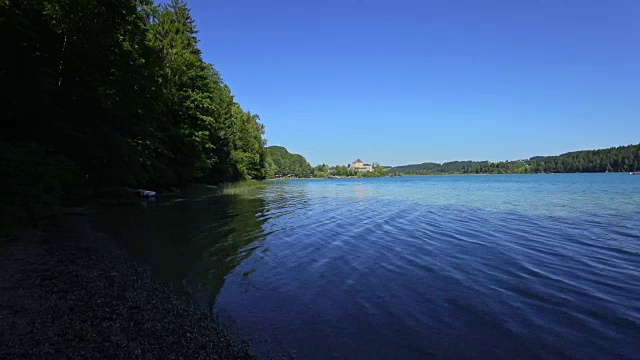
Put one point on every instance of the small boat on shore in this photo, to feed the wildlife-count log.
(634, 173)
(142, 192)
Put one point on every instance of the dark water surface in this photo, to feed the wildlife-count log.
(503, 266)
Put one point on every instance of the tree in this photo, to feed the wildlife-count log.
(622, 158)
(285, 163)
(321, 171)
(120, 90)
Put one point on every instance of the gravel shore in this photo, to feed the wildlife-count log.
(72, 293)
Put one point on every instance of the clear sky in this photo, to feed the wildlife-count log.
(402, 82)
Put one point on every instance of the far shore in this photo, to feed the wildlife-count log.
(390, 176)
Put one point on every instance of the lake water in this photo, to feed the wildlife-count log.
(500, 266)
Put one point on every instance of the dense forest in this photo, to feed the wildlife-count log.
(615, 159)
(281, 163)
(109, 94)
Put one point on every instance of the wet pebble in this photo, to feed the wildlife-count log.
(73, 293)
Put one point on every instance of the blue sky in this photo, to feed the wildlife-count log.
(402, 82)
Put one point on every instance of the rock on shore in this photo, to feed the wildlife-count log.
(72, 293)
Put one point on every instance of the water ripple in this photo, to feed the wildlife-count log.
(450, 267)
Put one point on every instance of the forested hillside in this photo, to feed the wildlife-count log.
(281, 162)
(621, 158)
(99, 94)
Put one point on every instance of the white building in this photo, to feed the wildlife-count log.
(358, 165)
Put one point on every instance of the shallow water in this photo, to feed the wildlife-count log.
(501, 266)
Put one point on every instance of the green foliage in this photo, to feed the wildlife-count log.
(282, 163)
(242, 187)
(248, 151)
(321, 171)
(615, 159)
(342, 170)
(208, 135)
(621, 158)
(120, 89)
(378, 171)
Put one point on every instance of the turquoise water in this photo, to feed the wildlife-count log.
(501, 266)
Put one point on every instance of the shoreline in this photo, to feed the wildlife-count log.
(444, 174)
(74, 293)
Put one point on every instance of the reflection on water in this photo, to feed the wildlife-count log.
(194, 240)
(514, 266)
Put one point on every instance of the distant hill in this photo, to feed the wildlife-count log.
(615, 159)
(281, 162)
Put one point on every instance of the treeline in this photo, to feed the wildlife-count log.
(615, 159)
(100, 94)
(282, 163)
(343, 170)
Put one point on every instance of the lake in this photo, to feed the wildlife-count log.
(498, 266)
